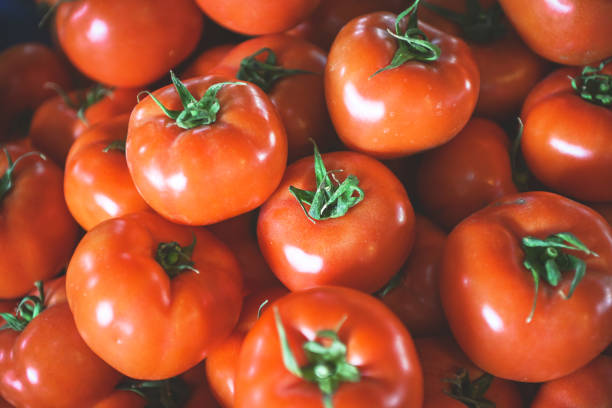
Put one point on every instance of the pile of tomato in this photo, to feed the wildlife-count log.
(307, 203)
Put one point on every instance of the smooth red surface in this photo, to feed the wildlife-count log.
(128, 43)
(404, 110)
(212, 172)
(487, 294)
(206, 61)
(377, 344)
(362, 249)
(151, 326)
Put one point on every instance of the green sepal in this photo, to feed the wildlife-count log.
(115, 145)
(174, 258)
(170, 393)
(28, 308)
(393, 283)
(520, 173)
(265, 73)
(84, 100)
(593, 86)
(6, 181)
(470, 393)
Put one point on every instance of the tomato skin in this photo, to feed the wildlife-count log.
(260, 17)
(466, 174)
(377, 343)
(487, 294)
(121, 399)
(150, 315)
(24, 70)
(171, 167)
(206, 61)
(605, 209)
(566, 140)
(299, 99)
(589, 387)
(97, 184)
(362, 249)
(369, 113)
(570, 33)
(34, 220)
(135, 42)
(416, 300)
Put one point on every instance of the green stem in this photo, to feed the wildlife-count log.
(115, 145)
(470, 393)
(593, 86)
(169, 393)
(520, 173)
(174, 258)
(50, 11)
(84, 99)
(6, 181)
(28, 308)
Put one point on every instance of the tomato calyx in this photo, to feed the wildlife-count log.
(85, 99)
(332, 198)
(412, 43)
(6, 181)
(593, 86)
(265, 73)
(520, 172)
(28, 308)
(174, 258)
(170, 393)
(393, 283)
(115, 145)
(327, 366)
(545, 260)
(470, 393)
(477, 24)
(195, 113)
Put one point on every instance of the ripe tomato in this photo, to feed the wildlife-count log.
(605, 209)
(180, 294)
(466, 174)
(368, 107)
(413, 293)
(97, 183)
(567, 133)
(284, 67)
(206, 61)
(590, 386)
(361, 249)
(37, 232)
(498, 312)
(47, 364)
(201, 172)
(570, 32)
(259, 16)
(127, 43)
(362, 354)
(452, 381)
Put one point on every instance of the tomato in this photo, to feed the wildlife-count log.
(61, 120)
(97, 183)
(590, 386)
(413, 293)
(290, 71)
(47, 364)
(571, 32)
(362, 353)
(331, 15)
(128, 43)
(452, 381)
(566, 137)
(222, 362)
(368, 104)
(24, 71)
(206, 61)
(37, 233)
(121, 399)
(466, 174)
(260, 16)
(205, 173)
(508, 68)
(489, 295)
(180, 294)
(605, 209)
(361, 249)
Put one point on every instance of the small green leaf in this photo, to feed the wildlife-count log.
(6, 181)
(288, 358)
(115, 145)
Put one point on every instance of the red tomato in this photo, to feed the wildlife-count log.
(128, 43)
(222, 362)
(206, 61)
(209, 172)
(566, 139)
(605, 209)
(37, 233)
(413, 294)
(24, 71)
(56, 124)
(47, 364)
(259, 16)
(449, 376)
(121, 399)
(362, 249)
(373, 362)
(97, 183)
(153, 325)
(570, 32)
(588, 387)
(466, 174)
(489, 296)
(369, 109)
(294, 83)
